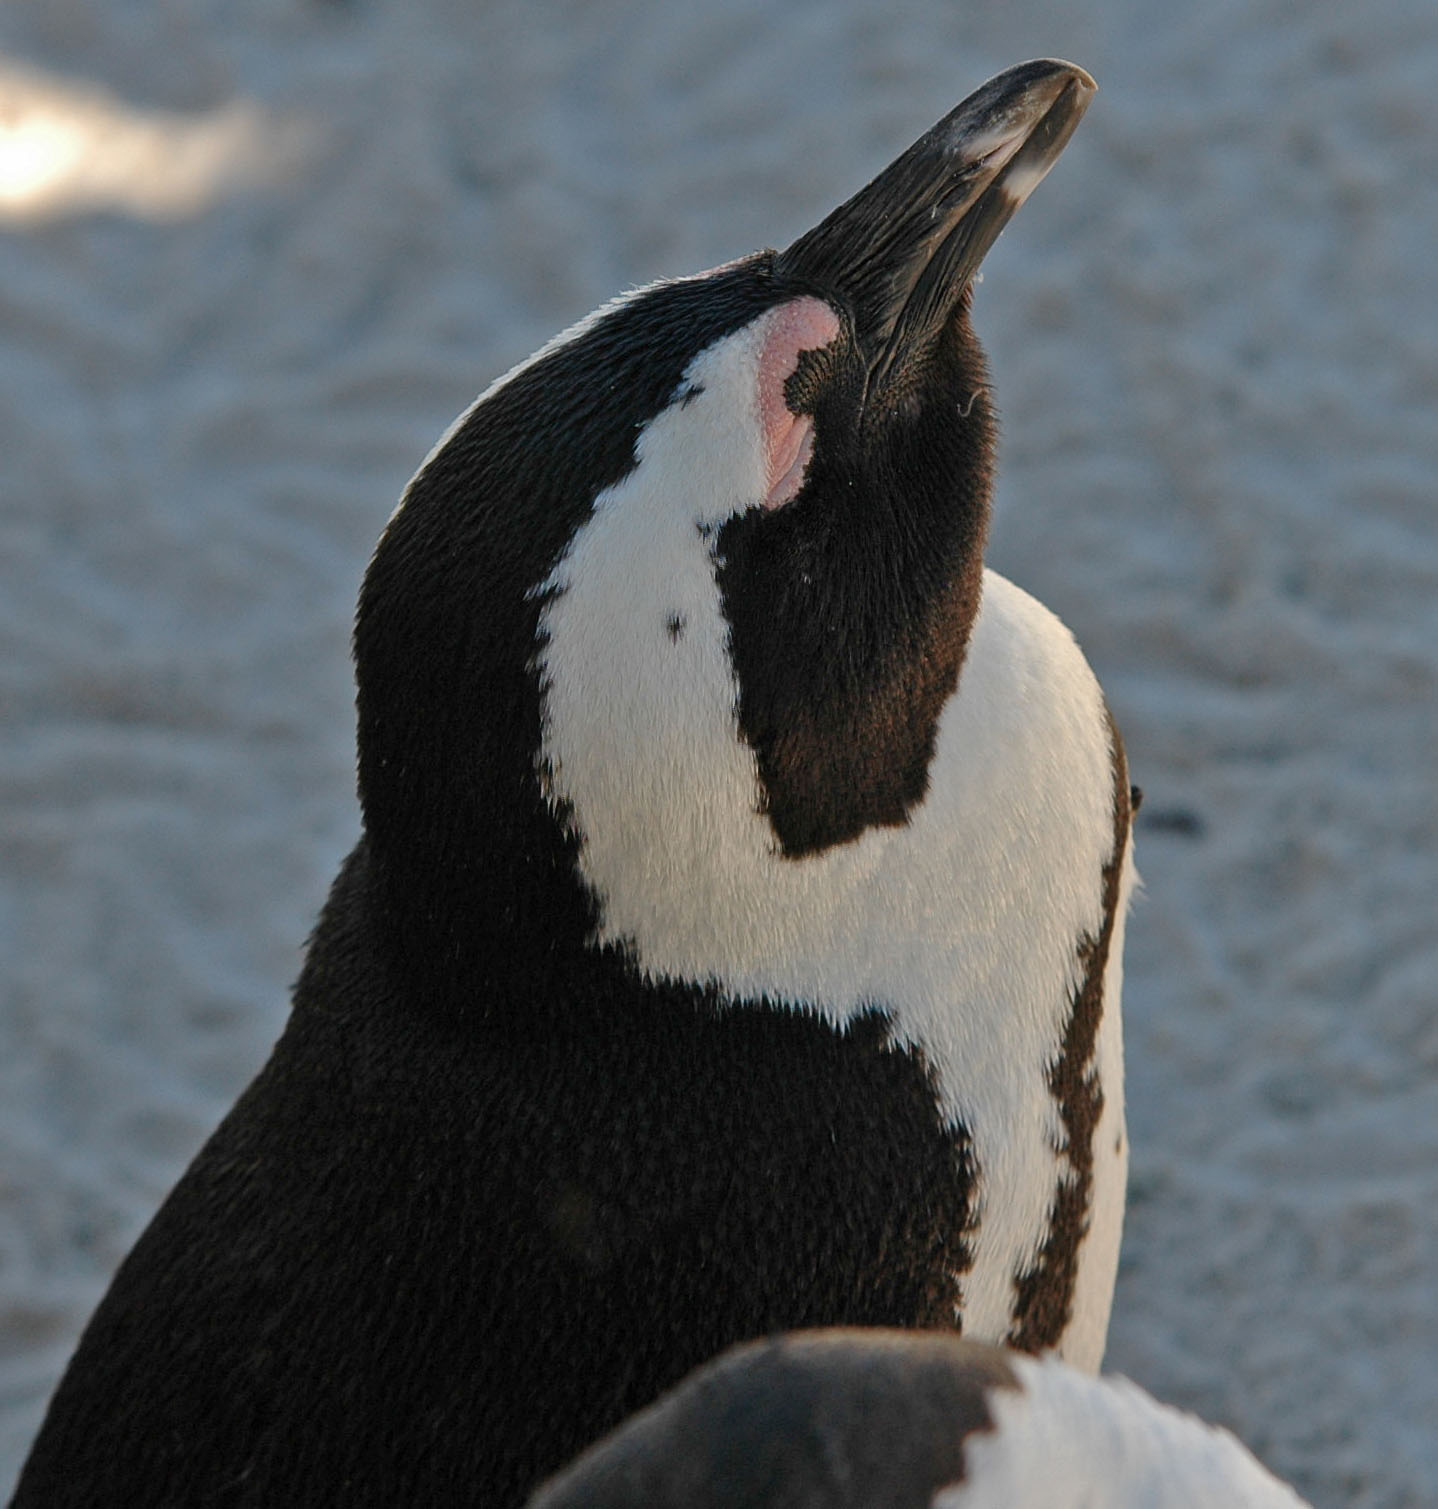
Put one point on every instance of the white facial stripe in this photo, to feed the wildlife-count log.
(963, 924)
(640, 725)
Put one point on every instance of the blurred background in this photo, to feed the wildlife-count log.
(254, 258)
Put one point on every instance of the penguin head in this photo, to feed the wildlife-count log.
(702, 571)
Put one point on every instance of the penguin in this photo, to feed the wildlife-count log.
(849, 1419)
(733, 942)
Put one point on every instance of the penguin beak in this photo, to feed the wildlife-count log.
(903, 251)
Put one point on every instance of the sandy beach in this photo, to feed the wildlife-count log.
(254, 259)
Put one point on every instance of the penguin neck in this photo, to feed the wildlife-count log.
(674, 844)
(842, 712)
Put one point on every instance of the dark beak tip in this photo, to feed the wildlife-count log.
(1080, 76)
(1012, 102)
(903, 251)
(1037, 71)
(1078, 83)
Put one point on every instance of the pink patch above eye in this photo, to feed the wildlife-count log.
(803, 324)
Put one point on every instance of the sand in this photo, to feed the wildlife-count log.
(254, 258)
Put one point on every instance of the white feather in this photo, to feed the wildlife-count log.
(1066, 1441)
